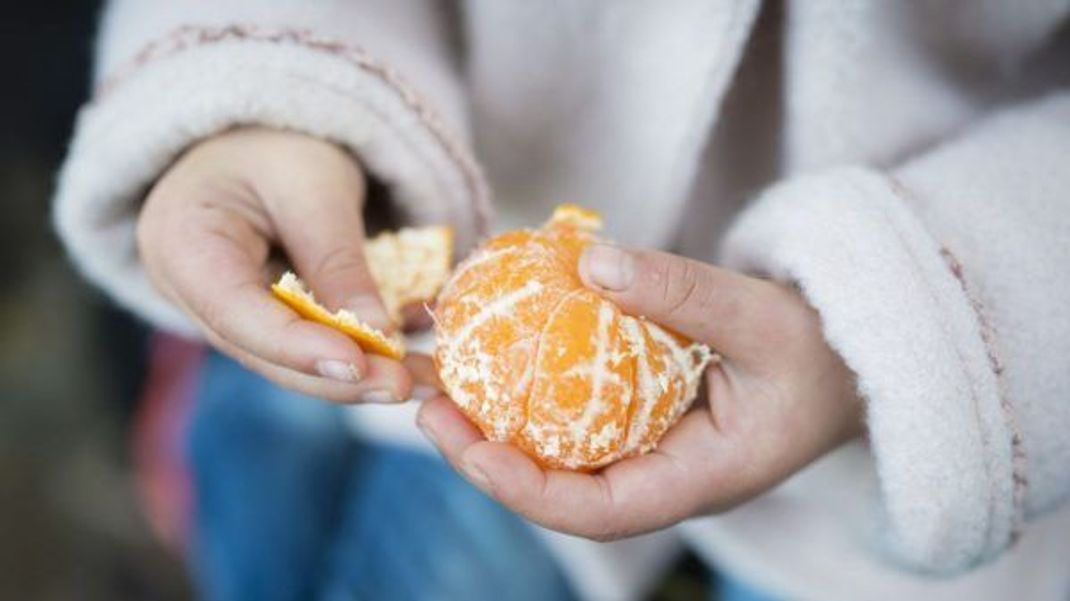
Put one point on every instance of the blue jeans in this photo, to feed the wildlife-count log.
(289, 506)
(726, 588)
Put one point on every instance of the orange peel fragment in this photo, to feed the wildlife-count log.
(409, 266)
(576, 216)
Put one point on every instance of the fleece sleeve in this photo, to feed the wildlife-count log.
(377, 77)
(944, 285)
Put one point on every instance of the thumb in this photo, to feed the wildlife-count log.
(324, 238)
(701, 301)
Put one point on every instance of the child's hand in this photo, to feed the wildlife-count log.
(206, 235)
(779, 399)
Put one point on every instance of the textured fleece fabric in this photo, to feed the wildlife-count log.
(907, 165)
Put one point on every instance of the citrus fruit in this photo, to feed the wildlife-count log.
(536, 359)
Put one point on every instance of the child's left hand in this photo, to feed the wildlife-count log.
(778, 399)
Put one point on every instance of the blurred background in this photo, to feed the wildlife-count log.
(70, 366)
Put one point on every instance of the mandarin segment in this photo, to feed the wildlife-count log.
(582, 371)
(534, 358)
(494, 321)
(487, 362)
(665, 371)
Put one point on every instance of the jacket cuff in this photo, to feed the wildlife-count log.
(201, 81)
(894, 305)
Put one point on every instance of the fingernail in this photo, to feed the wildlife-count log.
(370, 310)
(477, 476)
(343, 371)
(383, 397)
(608, 267)
(423, 392)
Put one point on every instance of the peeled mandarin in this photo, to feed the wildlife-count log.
(536, 359)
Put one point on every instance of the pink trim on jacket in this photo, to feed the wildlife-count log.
(988, 335)
(995, 362)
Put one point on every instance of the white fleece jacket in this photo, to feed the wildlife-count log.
(907, 164)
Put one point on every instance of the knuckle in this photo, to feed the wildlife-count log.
(604, 530)
(228, 348)
(730, 305)
(340, 261)
(794, 324)
(606, 524)
(218, 341)
(213, 314)
(685, 288)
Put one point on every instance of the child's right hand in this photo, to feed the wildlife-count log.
(207, 231)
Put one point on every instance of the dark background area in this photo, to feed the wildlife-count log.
(70, 367)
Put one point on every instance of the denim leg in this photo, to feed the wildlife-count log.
(415, 530)
(727, 588)
(269, 470)
(288, 506)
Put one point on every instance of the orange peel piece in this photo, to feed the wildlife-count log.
(409, 266)
(576, 216)
(292, 291)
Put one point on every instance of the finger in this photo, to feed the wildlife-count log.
(426, 384)
(692, 460)
(386, 381)
(318, 220)
(218, 279)
(706, 303)
(628, 498)
(447, 428)
(571, 502)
